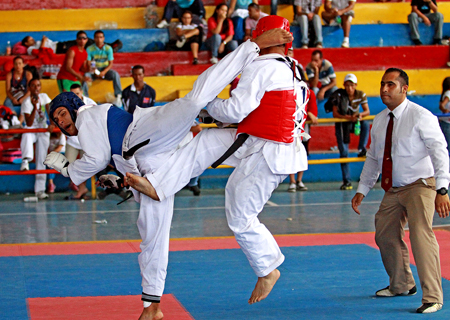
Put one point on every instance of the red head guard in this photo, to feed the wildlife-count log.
(272, 22)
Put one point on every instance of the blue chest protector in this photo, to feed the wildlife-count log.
(117, 123)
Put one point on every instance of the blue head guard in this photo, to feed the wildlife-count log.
(68, 100)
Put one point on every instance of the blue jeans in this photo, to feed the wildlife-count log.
(193, 181)
(445, 127)
(113, 76)
(214, 42)
(239, 29)
(8, 103)
(343, 147)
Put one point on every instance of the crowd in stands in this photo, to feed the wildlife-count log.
(87, 60)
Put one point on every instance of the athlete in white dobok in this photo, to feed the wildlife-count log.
(141, 144)
(269, 105)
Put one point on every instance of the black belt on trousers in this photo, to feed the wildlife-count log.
(128, 154)
(236, 145)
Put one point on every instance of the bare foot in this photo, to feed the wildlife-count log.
(273, 37)
(142, 185)
(82, 190)
(152, 313)
(264, 286)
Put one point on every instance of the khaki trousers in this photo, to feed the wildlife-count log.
(413, 203)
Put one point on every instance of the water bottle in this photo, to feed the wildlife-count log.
(380, 44)
(338, 20)
(31, 199)
(8, 48)
(357, 130)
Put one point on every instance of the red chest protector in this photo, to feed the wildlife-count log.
(273, 119)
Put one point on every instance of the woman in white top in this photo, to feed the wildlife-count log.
(189, 35)
(444, 106)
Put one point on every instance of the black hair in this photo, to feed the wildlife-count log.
(99, 32)
(254, 5)
(17, 58)
(445, 87)
(33, 79)
(225, 25)
(317, 52)
(81, 32)
(75, 86)
(402, 77)
(25, 40)
(137, 67)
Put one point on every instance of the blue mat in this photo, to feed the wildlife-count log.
(317, 282)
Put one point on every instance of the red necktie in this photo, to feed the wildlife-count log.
(386, 173)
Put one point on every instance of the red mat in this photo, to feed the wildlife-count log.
(100, 308)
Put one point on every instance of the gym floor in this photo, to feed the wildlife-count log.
(72, 260)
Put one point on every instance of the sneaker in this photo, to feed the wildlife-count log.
(319, 45)
(346, 186)
(345, 43)
(162, 24)
(195, 190)
(51, 188)
(417, 42)
(118, 101)
(301, 186)
(41, 195)
(292, 188)
(305, 46)
(180, 43)
(195, 61)
(24, 166)
(429, 307)
(214, 60)
(362, 153)
(388, 293)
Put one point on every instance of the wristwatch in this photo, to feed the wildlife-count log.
(442, 191)
(225, 43)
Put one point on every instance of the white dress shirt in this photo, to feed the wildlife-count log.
(418, 148)
(264, 74)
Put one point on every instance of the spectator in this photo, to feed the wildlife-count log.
(75, 65)
(308, 11)
(102, 55)
(311, 111)
(346, 104)
(175, 9)
(32, 44)
(16, 85)
(57, 144)
(220, 33)
(322, 79)
(444, 106)
(425, 11)
(340, 12)
(73, 149)
(35, 111)
(254, 14)
(57, 47)
(238, 12)
(139, 93)
(189, 35)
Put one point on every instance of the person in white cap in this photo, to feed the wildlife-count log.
(346, 105)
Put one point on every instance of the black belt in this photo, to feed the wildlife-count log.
(128, 154)
(236, 145)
